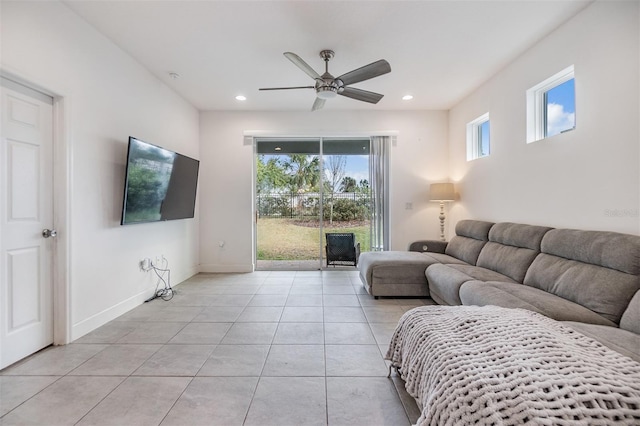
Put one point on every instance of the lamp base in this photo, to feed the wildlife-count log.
(441, 217)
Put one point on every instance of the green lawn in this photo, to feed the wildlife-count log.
(284, 239)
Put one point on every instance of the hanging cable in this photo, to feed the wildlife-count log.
(166, 292)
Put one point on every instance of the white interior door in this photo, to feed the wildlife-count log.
(26, 204)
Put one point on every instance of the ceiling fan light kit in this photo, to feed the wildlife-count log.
(326, 92)
(327, 86)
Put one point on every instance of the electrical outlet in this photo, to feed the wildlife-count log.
(144, 264)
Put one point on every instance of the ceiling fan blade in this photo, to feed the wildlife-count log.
(365, 73)
(318, 104)
(287, 88)
(297, 61)
(361, 95)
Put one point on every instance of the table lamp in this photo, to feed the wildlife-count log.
(442, 192)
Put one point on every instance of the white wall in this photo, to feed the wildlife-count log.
(418, 158)
(587, 178)
(110, 96)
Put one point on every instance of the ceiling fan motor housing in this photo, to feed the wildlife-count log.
(327, 87)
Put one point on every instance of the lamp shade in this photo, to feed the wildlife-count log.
(442, 192)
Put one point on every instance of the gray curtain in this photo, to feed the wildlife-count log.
(379, 182)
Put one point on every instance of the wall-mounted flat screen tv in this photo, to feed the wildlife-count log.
(159, 184)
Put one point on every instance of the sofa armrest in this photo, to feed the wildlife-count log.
(432, 246)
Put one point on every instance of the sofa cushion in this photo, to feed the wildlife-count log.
(621, 341)
(509, 295)
(471, 236)
(602, 290)
(511, 249)
(476, 229)
(445, 258)
(631, 317)
(445, 280)
(596, 269)
(608, 249)
(518, 235)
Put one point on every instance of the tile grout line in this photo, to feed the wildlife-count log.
(324, 350)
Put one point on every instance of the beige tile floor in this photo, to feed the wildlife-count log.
(266, 348)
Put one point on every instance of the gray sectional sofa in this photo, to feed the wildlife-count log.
(588, 279)
(399, 273)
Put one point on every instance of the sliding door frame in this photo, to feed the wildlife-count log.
(253, 137)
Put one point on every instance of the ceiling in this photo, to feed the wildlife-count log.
(439, 51)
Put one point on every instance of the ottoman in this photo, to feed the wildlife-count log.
(395, 273)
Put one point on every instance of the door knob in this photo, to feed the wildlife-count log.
(49, 233)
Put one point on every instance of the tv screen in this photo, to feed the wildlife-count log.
(159, 184)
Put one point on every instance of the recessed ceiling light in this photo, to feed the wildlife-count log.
(241, 98)
(407, 97)
(277, 148)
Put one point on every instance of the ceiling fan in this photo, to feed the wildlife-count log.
(328, 86)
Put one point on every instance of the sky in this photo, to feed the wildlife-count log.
(485, 138)
(561, 108)
(357, 167)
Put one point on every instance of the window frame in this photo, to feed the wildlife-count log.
(537, 103)
(474, 139)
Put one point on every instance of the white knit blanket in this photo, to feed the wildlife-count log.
(496, 366)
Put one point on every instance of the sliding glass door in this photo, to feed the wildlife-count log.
(287, 204)
(306, 188)
(346, 195)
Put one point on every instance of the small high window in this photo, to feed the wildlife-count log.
(478, 138)
(551, 106)
(560, 108)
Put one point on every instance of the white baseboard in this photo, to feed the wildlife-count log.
(85, 326)
(185, 275)
(212, 267)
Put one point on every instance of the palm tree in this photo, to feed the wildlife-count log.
(348, 184)
(303, 174)
(303, 171)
